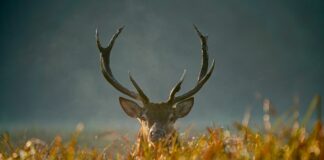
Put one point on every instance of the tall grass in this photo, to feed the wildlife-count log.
(281, 140)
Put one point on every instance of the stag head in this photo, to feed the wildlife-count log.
(156, 119)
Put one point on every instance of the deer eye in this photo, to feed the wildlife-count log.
(172, 118)
(143, 117)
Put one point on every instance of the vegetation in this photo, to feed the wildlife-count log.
(293, 139)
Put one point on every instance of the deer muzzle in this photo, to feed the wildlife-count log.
(156, 133)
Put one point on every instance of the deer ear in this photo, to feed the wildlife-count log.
(131, 108)
(184, 107)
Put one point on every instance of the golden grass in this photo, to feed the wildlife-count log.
(290, 140)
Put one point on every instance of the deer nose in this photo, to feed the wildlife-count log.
(155, 135)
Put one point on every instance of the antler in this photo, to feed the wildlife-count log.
(203, 75)
(106, 71)
(176, 88)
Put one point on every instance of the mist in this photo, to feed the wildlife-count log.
(50, 74)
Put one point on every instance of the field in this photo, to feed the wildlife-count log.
(286, 137)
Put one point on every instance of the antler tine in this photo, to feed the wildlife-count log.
(203, 75)
(105, 65)
(204, 53)
(176, 88)
(197, 87)
(144, 99)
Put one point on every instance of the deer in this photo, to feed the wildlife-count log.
(156, 119)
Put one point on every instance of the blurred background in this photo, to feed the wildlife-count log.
(50, 76)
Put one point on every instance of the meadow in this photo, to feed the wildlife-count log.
(288, 136)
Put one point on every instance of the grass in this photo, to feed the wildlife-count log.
(286, 138)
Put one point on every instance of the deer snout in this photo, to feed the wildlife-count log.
(156, 135)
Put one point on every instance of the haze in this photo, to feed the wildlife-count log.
(50, 75)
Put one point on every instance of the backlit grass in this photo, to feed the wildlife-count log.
(286, 138)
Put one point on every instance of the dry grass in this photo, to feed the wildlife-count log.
(290, 140)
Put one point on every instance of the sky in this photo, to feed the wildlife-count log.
(50, 75)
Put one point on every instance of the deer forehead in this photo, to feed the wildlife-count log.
(158, 111)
